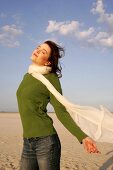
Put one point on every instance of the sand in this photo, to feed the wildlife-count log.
(73, 157)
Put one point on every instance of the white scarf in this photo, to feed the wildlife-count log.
(96, 123)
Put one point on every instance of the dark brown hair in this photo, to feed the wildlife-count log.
(56, 53)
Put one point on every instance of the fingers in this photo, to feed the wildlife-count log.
(90, 146)
(94, 148)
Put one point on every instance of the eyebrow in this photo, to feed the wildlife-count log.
(43, 49)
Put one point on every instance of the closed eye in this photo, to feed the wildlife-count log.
(43, 52)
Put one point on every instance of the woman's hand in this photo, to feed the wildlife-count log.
(90, 145)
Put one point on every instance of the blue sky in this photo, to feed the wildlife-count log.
(83, 28)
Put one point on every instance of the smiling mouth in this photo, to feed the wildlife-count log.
(35, 55)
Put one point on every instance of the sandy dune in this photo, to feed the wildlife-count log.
(73, 155)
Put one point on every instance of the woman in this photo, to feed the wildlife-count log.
(42, 147)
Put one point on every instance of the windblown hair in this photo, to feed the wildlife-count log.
(57, 52)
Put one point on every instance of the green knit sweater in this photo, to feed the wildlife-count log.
(33, 97)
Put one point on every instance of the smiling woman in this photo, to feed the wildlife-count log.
(41, 54)
(48, 54)
(42, 147)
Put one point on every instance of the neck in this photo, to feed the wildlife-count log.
(33, 63)
(39, 69)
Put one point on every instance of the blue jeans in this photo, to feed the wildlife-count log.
(41, 153)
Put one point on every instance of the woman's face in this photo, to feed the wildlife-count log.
(41, 55)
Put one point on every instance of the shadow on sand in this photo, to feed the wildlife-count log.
(107, 164)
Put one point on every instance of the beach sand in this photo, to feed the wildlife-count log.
(73, 156)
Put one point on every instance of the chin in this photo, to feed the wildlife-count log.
(33, 59)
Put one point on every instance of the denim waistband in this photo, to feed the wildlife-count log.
(39, 137)
(31, 139)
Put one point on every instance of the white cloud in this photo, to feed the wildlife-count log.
(91, 35)
(53, 26)
(69, 27)
(100, 35)
(12, 30)
(98, 8)
(104, 17)
(82, 35)
(72, 28)
(9, 34)
(107, 42)
(65, 28)
(102, 39)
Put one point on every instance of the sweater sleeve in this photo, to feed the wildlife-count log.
(62, 114)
